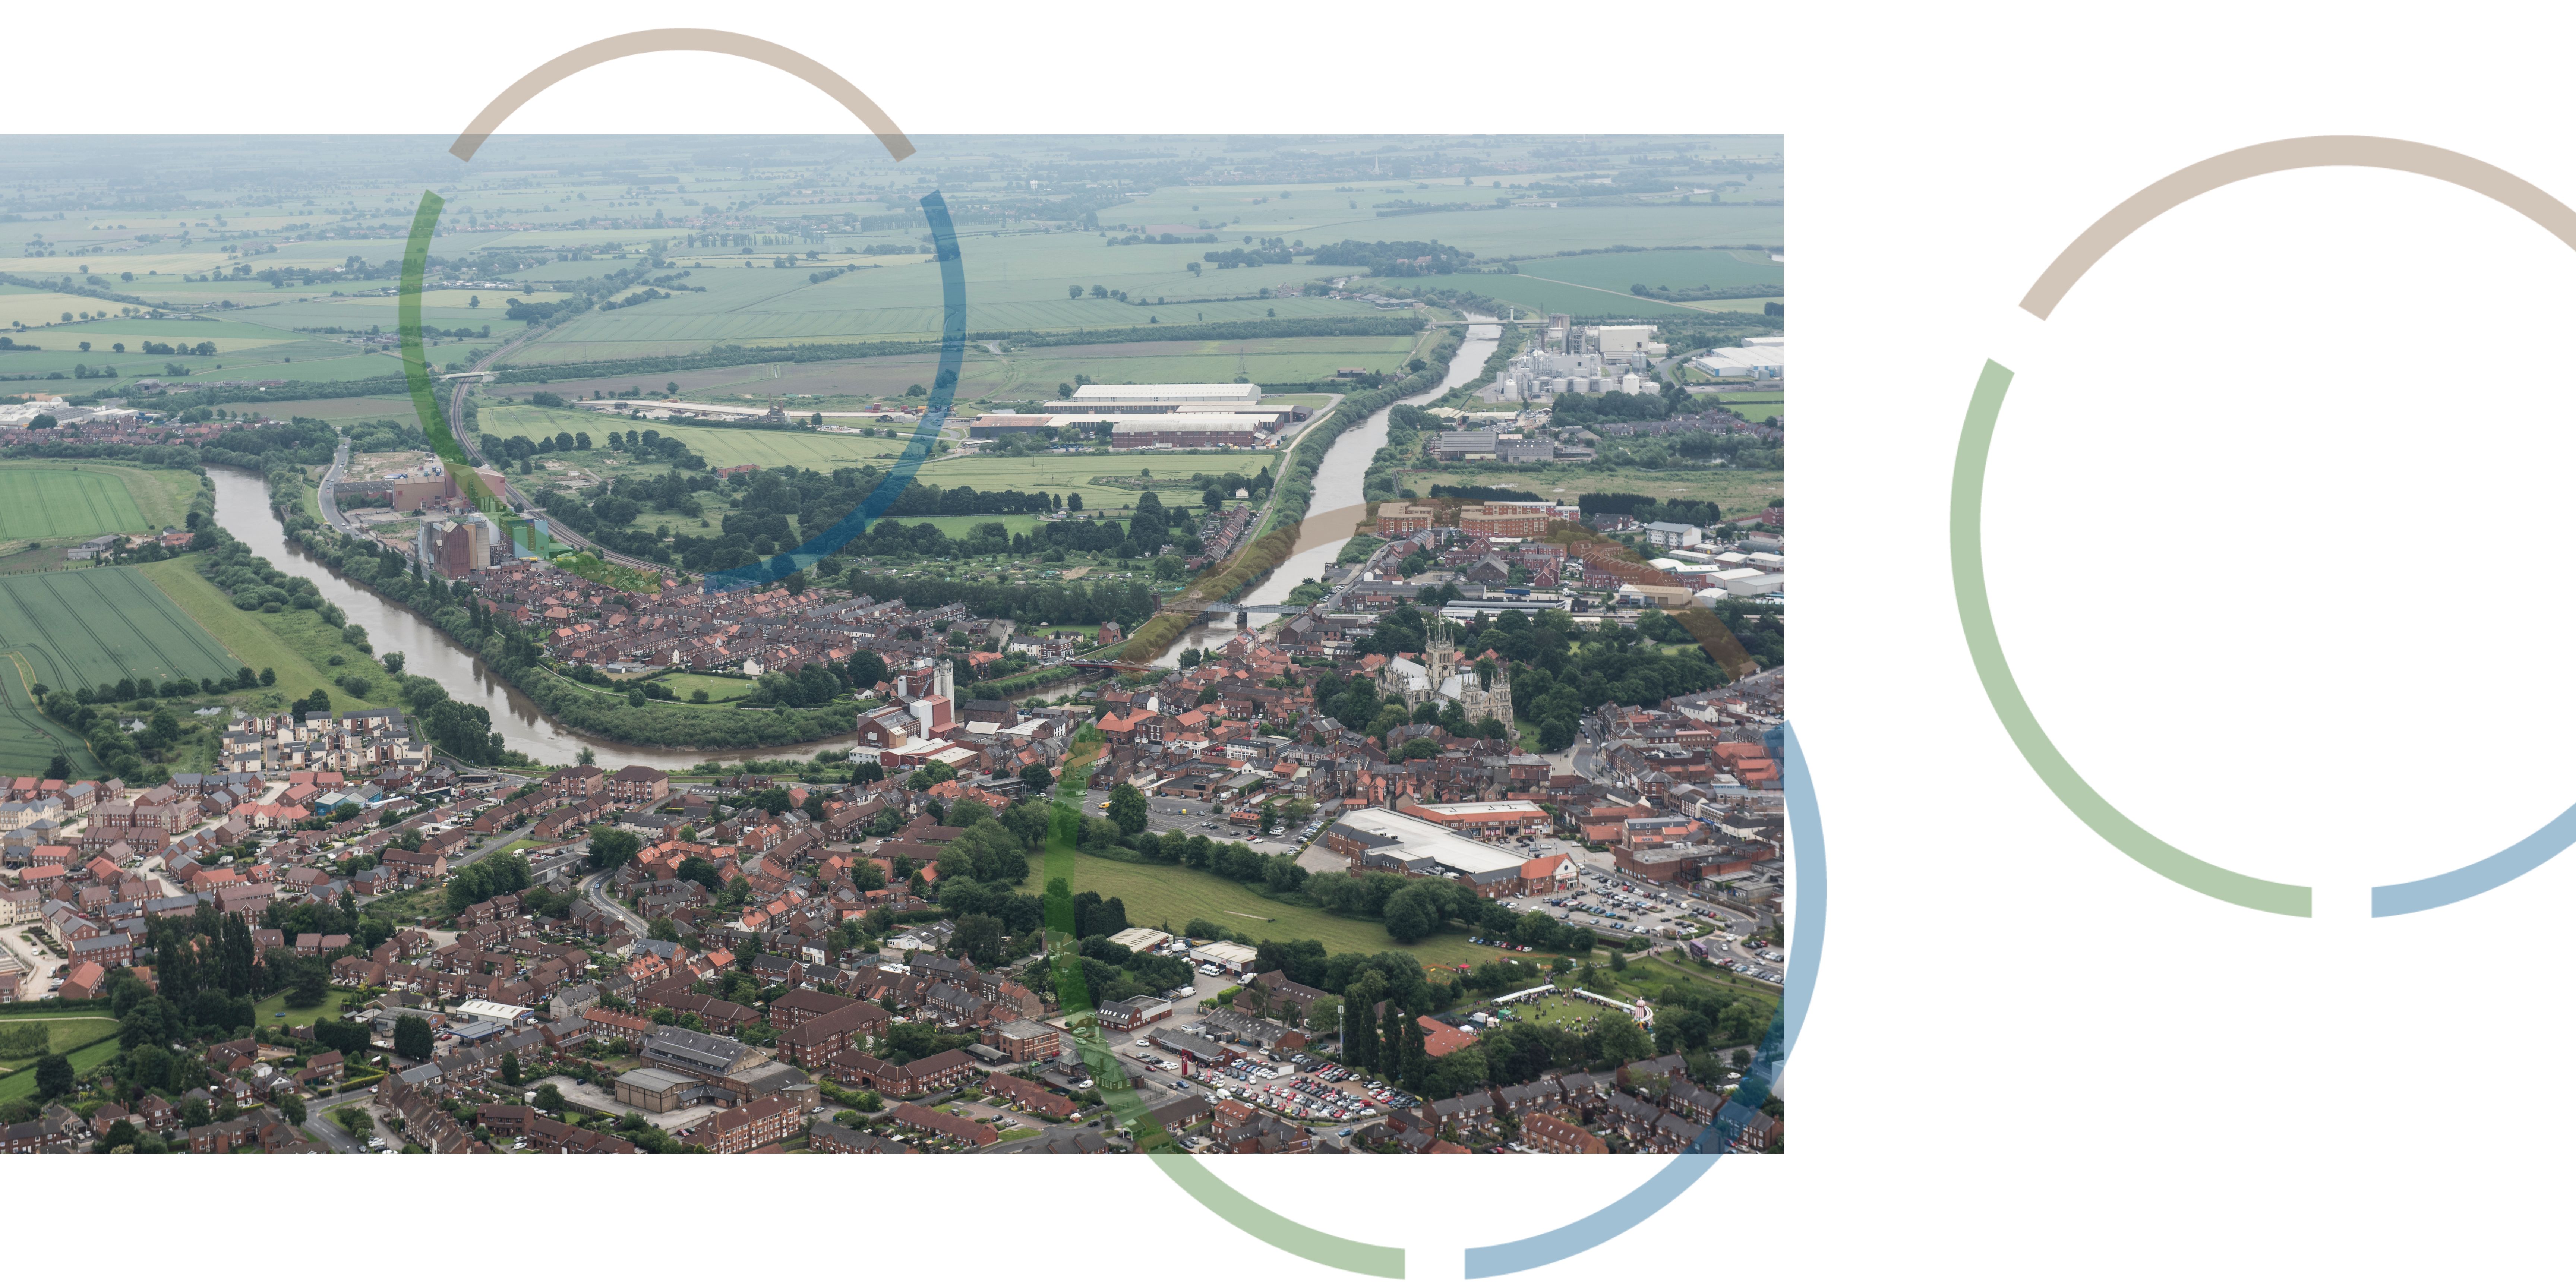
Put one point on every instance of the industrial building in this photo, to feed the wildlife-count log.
(1384, 840)
(454, 547)
(1583, 360)
(1157, 399)
(1759, 358)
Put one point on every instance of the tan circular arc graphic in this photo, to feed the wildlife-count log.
(663, 40)
(2360, 150)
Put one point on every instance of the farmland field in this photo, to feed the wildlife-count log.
(1679, 269)
(29, 741)
(1739, 492)
(44, 502)
(1537, 295)
(259, 639)
(80, 630)
(1174, 896)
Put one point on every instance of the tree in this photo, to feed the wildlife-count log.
(59, 767)
(510, 1068)
(311, 982)
(1414, 912)
(412, 1040)
(1269, 816)
(1127, 809)
(292, 1106)
(978, 937)
(53, 1077)
(550, 1098)
(613, 847)
(1039, 779)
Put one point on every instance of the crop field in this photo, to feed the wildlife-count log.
(39, 503)
(1538, 296)
(769, 449)
(253, 637)
(1752, 406)
(28, 740)
(1737, 492)
(83, 629)
(1679, 269)
(1156, 895)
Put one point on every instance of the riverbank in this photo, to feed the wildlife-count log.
(660, 725)
(1301, 495)
(245, 508)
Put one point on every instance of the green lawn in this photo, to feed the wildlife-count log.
(298, 1016)
(66, 1032)
(1155, 895)
(22, 1084)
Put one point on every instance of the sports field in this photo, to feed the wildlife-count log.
(81, 630)
(57, 500)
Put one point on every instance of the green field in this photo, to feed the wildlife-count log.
(1739, 492)
(65, 1032)
(1156, 895)
(958, 525)
(55, 501)
(298, 1016)
(1537, 295)
(265, 640)
(80, 630)
(1074, 472)
(29, 740)
(1677, 269)
(22, 1084)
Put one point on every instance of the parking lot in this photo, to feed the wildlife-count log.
(1193, 818)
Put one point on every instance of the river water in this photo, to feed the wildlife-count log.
(1338, 487)
(241, 506)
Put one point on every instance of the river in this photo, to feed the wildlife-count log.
(1338, 487)
(241, 506)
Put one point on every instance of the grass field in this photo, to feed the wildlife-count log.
(22, 1084)
(1753, 407)
(68, 1031)
(957, 525)
(29, 741)
(257, 638)
(1175, 896)
(1074, 472)
(84, 629)
(298, 1016)
(55, 501)
(1738, 492)
(1678, 269)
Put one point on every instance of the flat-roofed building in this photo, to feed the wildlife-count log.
(1487, 819)
(1384, 840)
(655, 1091)
(1156, 398)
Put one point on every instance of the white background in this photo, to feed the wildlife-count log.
(2279, 553)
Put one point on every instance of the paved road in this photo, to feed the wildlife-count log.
(591, 890)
